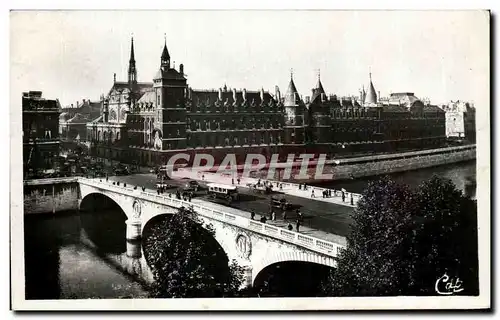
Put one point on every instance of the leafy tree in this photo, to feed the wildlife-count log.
(445, 239)
(375, 261)
(402, 241)
(187, 261)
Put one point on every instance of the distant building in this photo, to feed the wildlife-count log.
(73, 120)
(40, 132)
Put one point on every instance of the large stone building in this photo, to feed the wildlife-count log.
(40, 132)
(149, 122)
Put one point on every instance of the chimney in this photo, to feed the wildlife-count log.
(234, 95)
(244, 94)
(181, 69)
(277, 93)
(262, 94)
(114, 77)
(220, 94)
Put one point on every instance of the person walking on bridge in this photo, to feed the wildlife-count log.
(252, 215)
(297, 225)
(273, 216)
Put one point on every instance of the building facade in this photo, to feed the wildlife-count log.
(147, 123)
(74, 118)
(40, 132)
(460, 120)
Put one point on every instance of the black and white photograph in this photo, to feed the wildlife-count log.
(250, 159)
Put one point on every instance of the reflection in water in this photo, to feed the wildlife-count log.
(463, 175)
(62, 263)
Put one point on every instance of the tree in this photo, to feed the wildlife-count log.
(445, 240)
(187, 261)
(375, 261)
(402, 241)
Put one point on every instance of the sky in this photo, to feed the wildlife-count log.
(72, 55)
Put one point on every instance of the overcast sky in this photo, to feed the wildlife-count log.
(73, 55)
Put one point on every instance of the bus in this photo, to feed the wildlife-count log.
(222, 191)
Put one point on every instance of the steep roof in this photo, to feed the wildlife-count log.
(169, 73)
(165, 55)
(147, 97)
(371, 95)
(292, 96)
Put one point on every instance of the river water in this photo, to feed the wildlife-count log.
(60, 265)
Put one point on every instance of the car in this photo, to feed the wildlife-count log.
(192, 185)
(282, 203)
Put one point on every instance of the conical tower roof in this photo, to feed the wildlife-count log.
(291, 96)
(371, 95)
(165, 55)
(319, 86)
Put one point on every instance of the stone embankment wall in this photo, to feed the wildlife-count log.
(50, 195)
(387, 166)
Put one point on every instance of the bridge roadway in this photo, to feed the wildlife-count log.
(323, 220)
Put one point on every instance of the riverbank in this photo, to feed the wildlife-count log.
(360, 167)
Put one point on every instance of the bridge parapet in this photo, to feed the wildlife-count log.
(311, 243)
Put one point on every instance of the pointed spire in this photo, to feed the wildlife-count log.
(132, 71)
(371, 95)
(291, 95)
(132, 57)
(165, 56)
(319, 86)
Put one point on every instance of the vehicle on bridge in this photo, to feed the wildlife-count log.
(191, 185)
(260, 188)
(223, 191)
(282, 203)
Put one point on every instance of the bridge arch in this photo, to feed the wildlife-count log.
(285, 256)
(103, 222)
(85, 198)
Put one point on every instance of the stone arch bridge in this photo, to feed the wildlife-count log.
(252, 244)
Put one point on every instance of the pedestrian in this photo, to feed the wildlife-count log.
(238, 180)
(100, 180)
(170, 195)
(300, 186)
(284, 215)
(118, 183)
(329, 193)
(297, 225)
(324, 193)
(106, 178)
(352, 200)
(290, 227)
(273, 216)
(252, 215)
(312, 194)
(281, 186)
(232, 181)
(114, 183)
(202, 177)
(158, 191)
(263, 219)
(343, 196)
(124, 185)
(135, 187)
